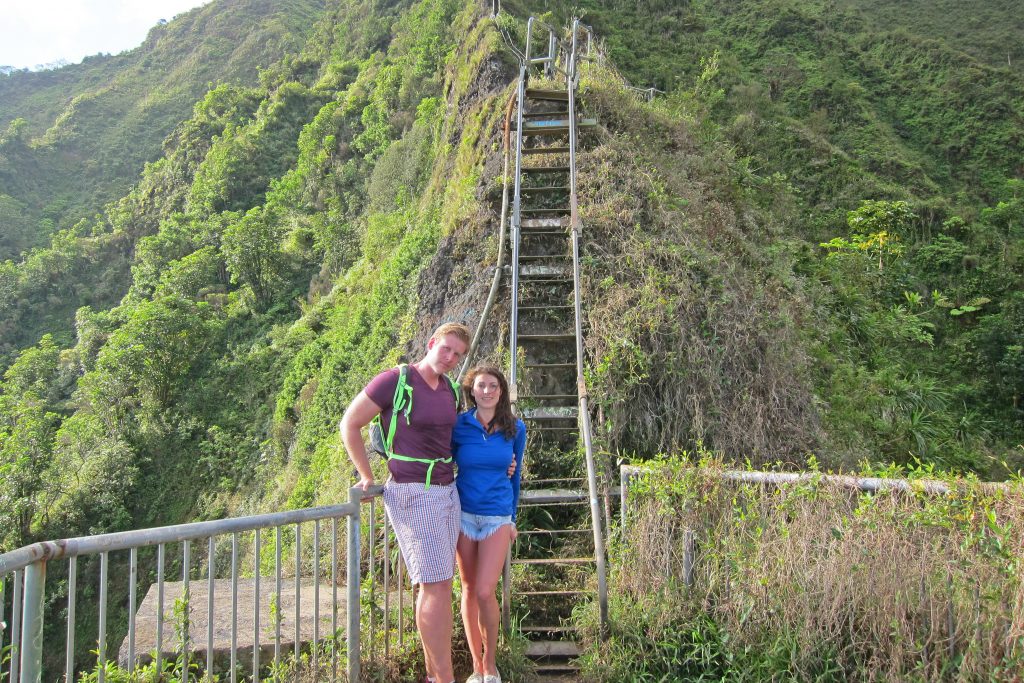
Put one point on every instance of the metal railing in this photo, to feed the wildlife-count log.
(584, 407)
(645, 94)
(525, 64)
(865, 484)
(27, 569)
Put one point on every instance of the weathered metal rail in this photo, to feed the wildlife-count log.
(26, 569)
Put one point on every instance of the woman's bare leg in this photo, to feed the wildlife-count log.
(490, 560)
(466, 554)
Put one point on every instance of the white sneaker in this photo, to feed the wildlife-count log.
(475, 678)
(496, 678)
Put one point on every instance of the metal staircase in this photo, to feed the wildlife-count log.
(559, 559)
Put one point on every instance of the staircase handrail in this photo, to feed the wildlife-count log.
(584, 408)
(516, 224)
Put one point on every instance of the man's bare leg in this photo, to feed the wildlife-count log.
(434, 622)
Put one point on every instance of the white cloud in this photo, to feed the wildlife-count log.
(44, 31)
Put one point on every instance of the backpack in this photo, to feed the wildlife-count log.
(381, 442)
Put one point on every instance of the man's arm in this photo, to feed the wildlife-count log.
(359, 414)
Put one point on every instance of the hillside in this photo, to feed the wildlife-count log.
(88, 128)
(780, 262)
(808, 249)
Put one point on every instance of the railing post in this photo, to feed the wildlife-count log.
(32, 624)
(506, 593)
(549, 68)
(355, 495)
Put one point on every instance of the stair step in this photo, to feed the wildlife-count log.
(547, 561)
(541, 496)
(556, 668)
(537, 257)
(546, 189)
(562, 271)
(554, 532)
(555, 126)
(561, 231)
(548, 397)
(555, 413)
(552, 648)
(550, 593)
(545, 169)
(551, 336)
(549, 95)
(547, 629)
(556, 222)
(553, 113)
(562, 495)
(559, 149)
(537, 212)
(545, 366)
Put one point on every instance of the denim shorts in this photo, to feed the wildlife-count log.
(479, 527)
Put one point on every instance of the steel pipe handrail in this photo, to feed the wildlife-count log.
(584, 407)
(516, 226)
(141, 538)
(863, 484)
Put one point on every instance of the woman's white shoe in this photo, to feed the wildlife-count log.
(496, 678)
(475, 678)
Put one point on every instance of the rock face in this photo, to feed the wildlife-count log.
(198, 613)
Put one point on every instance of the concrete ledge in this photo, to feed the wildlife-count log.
(145, 621)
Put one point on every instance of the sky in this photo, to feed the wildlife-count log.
(36, 32)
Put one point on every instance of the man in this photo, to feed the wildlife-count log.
(420, 495)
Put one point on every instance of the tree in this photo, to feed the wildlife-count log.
(253, 253)
(29, 392)
(876, 228)
(146, 361)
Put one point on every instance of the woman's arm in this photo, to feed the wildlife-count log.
(518, 450)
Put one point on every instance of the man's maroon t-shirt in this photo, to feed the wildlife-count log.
(429, 432)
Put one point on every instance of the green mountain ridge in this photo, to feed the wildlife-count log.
(89, 128)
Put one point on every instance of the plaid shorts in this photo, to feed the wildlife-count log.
(426, 523)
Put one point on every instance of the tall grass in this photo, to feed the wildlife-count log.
(814, 582)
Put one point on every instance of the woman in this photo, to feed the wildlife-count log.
(485, 440)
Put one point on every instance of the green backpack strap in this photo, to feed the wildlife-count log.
(456, 392)
(402, 403)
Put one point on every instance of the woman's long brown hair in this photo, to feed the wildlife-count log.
(504, 419)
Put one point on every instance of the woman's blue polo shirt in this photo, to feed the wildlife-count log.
(482, 462)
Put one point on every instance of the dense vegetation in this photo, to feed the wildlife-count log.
(811, 243)
(858, 187)
(716, 582)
